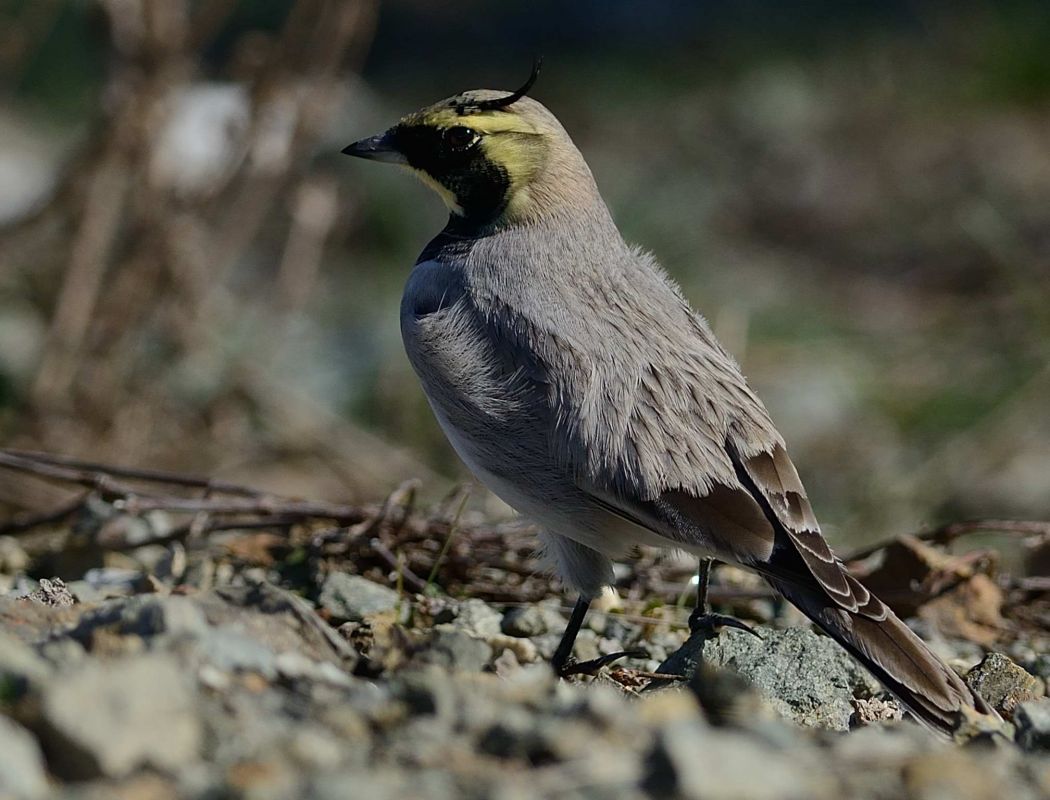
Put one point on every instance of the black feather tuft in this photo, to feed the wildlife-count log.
(502, 102)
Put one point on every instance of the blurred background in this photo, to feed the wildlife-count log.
(857, 196)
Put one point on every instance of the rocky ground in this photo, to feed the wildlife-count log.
(405, 656)
(248, 690)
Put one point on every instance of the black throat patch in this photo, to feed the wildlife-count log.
(479, 185)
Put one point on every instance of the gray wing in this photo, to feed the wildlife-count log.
(654, 422)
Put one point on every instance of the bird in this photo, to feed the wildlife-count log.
(574, 379)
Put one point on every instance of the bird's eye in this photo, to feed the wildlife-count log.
(459, 137)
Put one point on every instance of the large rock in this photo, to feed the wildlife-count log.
(110, 718)
(805, 677)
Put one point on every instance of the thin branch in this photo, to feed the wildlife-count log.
(133, 473)
(1033, 583)
(266, 505)
(945, 534)
(92, 480)
(391, 559)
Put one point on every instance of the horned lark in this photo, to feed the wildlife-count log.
(576, 382)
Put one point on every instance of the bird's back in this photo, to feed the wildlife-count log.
(642, 396)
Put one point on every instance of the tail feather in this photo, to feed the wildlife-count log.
(889, 649)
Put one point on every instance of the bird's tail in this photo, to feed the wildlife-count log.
(898, 658)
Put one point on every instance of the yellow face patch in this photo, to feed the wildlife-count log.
(484, 122)
(480, 162)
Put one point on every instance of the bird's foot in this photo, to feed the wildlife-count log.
(595, 664)
(703, 628)
(708, 623)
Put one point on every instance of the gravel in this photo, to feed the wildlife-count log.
(249, 690)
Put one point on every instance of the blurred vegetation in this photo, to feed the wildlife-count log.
(856, 195)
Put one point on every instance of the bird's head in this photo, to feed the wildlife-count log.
(492, 156)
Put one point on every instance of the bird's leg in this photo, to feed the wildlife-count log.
(703, 627)
(702, 619)
(703, 586)
(562, 660)
(572, 630)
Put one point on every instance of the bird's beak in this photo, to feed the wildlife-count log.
(377, 148)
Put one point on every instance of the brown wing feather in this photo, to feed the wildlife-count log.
(772, 475)
(841, 605)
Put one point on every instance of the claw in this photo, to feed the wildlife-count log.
(710, 622)
(595, 664)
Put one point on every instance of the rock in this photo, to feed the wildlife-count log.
(1032, 719)
(805, 677)
(295, 666)
(35, 622)
(875, 710)
(1003, 683)
(13, 558)
(387, 784)
(506, 663)
(52, 592)
(20, 667)
(314, 749)
(108, 719)
(21, 765)
(889, 744)
(452, 648)
(63, 653)
(478, 618)
(514, 735)
(692, 761)
(230, 649)
(1041, 665)
(954, 774)
(728, 698)
(279, 619)
(427, 691)
(352, 598)
(524, 650)
(113, 581)
(222, 635)
(155, 616)
(524, 622)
